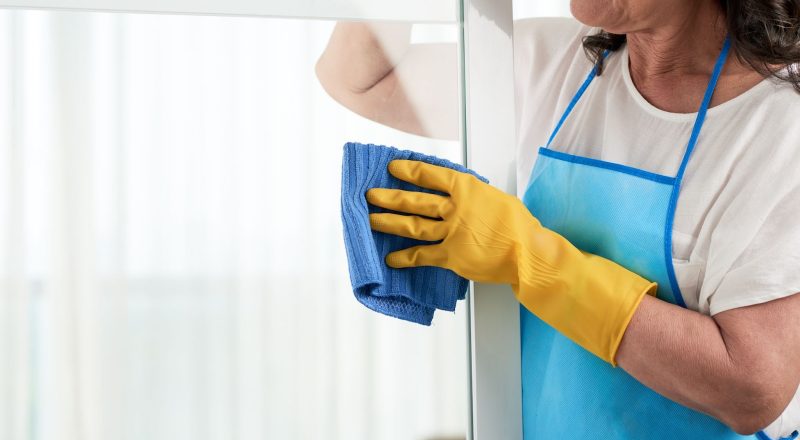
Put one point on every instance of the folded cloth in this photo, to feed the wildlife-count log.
(412, 294)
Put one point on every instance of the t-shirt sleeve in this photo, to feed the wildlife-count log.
(754, 255)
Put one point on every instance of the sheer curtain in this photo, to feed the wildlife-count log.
(171, 261)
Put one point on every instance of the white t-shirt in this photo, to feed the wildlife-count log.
(736, 238)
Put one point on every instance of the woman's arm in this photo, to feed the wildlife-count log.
(739, 366)
(373, 70)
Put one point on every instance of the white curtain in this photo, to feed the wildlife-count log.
(171, 259)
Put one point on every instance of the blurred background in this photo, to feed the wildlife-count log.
(171, 259)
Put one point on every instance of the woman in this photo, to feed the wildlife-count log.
(656, 244)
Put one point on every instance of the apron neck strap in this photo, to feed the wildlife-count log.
(698, 122)
(701, 114)
(575, 100)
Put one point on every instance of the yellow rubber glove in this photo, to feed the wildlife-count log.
(490, 236)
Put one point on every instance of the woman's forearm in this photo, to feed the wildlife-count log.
(731, 366)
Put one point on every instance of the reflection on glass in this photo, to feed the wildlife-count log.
(171, 263)
(376, 70)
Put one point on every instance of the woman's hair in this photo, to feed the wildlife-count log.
(764, 34)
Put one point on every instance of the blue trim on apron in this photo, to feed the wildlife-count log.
(698, 123)
(660, 178)
(624, 214)
(763, 436)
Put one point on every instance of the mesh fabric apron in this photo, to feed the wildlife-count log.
(624, 214)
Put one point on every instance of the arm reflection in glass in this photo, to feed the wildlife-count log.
(374, 70)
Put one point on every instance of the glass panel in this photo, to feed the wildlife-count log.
(171, 255)
(408, 10)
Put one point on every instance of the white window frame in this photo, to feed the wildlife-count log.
(489, 137)
(496, 384)
(439, 11)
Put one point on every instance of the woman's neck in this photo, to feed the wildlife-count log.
(670, 65)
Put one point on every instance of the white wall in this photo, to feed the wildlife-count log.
(541, 8)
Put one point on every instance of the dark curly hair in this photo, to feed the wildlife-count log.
(765, 34)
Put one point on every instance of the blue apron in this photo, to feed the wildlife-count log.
(624, 214)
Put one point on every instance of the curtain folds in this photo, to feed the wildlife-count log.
(171, 261)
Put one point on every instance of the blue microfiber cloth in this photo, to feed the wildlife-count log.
(412, 294)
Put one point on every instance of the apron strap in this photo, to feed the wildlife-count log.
(574, 101)
(698, 122)
(676, 187)
(701, 114)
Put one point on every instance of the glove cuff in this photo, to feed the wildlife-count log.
(587, 298)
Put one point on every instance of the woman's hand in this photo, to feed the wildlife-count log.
(480, 226)
(489, 236)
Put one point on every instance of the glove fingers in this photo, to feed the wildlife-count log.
(409, 226)
(424, 255)
(424, 174)
(411, 202)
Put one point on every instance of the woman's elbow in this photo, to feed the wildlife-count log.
(325, 75)
(757, 407)
(334, 83)
(747, 424)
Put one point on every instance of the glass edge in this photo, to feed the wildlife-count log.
(462, 61)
